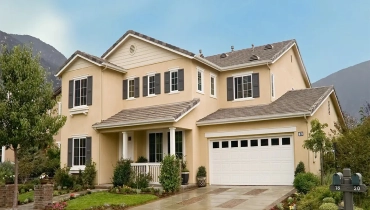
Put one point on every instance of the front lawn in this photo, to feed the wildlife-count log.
(101, 198)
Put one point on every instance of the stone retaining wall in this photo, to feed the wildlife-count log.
(43, 196)
(6, 195)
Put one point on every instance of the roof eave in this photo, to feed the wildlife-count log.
(252, 119)
(133, 123)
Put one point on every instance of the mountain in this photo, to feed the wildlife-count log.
(351, 85)
(51, 59)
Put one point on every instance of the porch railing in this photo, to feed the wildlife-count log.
(152, 168)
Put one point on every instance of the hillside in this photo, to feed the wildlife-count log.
(51, 59)
(351, 85)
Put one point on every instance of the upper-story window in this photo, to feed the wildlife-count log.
(130, 88)
(200, 82)
(213, 85)
(243, 86)
(80, 92)
(272, 86)
(174, 81)
(152, 84)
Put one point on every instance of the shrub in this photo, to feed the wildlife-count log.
(89, 174)
(328, 200)
(140, 180)
(6, 168)
(122, 173)
(202, 171)
(142, 159)
(300, 168)
(78, 187)
(63, 178)
(328, 206)
(313, 199)
(304, 182)
(170, 174)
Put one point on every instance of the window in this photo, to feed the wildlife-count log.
(244, 143)
(213, 85)
(264, 142)
(234, 144)
(178, 144)
(151, 85)
(272, 86)
(225, 144)
(79, 151)
(174, 80)
(200, 85)
(131, 88)
(80, 92)
(216, 144)
(254, 143)
(285, 141)
(329, 107)
(243, 87)
(155, 147)
(274, 141)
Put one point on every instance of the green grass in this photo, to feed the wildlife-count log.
(23, 196)
(101, 198)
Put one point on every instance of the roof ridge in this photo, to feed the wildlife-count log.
(310, 88)
(195, 101)
(291, 42)
(319, 100)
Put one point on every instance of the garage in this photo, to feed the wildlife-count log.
(257, 161)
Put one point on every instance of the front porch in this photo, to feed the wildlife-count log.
(148, 168)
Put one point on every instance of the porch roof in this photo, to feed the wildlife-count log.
(149, 115)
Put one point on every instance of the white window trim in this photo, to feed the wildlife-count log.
(79, 110)
(74, 79)
(59, 108)
(151, 75)
(174, 91)
(128, 88)
(272, 86)
(201, 71)
(165, 141)
(2, 154)
(210, 85)
(242, 75)
(76, 168)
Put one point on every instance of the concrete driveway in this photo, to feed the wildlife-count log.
(222, 197)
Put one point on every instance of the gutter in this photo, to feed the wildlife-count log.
(252, 119)
(133, 123)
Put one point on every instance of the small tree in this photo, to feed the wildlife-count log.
(122, 173)
(25, 99)
(318, 142)
(170, 173)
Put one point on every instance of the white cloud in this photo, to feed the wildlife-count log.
(40, 19)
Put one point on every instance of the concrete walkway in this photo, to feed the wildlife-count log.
(222, 197)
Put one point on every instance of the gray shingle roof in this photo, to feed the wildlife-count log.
(292, 102)
(150, 39)
(143, 115)
(244, 56)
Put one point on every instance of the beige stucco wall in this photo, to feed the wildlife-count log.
(108, 156)
(287, 74)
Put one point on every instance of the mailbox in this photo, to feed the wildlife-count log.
(356, 179)
(337, 179)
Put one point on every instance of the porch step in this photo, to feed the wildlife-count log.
(103, 186)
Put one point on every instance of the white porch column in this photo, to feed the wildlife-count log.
(124, 145)
(2, 154)
(172, 141)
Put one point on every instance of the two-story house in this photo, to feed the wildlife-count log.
(243, 114)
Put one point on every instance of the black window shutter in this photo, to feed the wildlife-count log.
(124, 89)
(137, 87)
(167, 82)
(70, 94)
(69, 159)
(181, 79)
(89, 90)
(145, 86)
(157, 83)
(88, 149)
(256, 85)
(230, 88)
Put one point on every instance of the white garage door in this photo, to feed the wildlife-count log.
(263, 161)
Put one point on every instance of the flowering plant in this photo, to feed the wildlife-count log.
(8, 178)
(59, 206)
(44, 176)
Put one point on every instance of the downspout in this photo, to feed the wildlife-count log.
(308, 152)
(101, 117)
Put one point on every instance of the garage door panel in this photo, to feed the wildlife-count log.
(260, 165)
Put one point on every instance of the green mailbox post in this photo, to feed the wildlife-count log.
(347, 183)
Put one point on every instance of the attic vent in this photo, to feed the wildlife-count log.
(269, 46)
(223, 55)
(254, 57)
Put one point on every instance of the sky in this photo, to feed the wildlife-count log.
(331, 34)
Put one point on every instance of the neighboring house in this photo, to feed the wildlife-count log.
(8, 155)
(243, 114)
